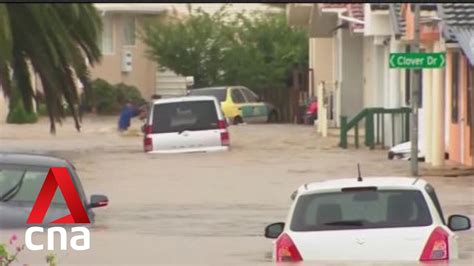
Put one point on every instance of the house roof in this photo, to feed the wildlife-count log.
(457, 15)
(397, 18)
(357, 11)
(458, 25)
(353, 10)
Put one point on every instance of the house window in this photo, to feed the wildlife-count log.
(455, 88)
(129, 30)
(107, 36)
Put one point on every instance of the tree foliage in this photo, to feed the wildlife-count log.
(256, 50)
(54, 40)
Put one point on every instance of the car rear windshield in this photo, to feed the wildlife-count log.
(220, 94)
(180, 116)
(360, 210)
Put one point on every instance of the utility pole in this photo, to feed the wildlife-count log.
(415, 84)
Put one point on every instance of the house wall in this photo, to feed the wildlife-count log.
(453, 142)
(469, 147)
(427, 32)
(376, 24)
(459, 131)
(447, 101)
(466, 156)
(110, 67)
(384, 87)
(352, 73)
(368, 66)
(322, 59)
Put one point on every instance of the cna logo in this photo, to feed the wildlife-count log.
(58, 177)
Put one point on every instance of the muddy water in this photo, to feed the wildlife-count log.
(205, 208)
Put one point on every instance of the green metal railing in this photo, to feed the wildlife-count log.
(374, 135)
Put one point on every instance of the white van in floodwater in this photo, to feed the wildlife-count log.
(186, 124)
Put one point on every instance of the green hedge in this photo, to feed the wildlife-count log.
(128, 93)
(18, 115)
(106, 98)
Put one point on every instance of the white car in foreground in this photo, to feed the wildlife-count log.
(374, 219)
(186, 124)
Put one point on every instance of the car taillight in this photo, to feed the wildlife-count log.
(286, 250)
(222, 124)
(225, 138)
(147, 141)
(147, 129)
(436, 247)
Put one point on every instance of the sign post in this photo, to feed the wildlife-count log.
(415, 61)
(414, 97)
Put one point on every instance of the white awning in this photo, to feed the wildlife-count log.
(150, 8)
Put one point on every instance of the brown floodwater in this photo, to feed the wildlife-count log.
(209, 209)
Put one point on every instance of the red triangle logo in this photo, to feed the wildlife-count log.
(58, 177)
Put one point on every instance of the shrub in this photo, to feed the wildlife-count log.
(18, 115)
(106, 98)
(9, 253)
(102, 97)
(128, 93)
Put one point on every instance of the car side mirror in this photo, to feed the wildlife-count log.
(459, 222)
(274, 230)
(98, 201)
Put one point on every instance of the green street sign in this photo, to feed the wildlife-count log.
(417, 60)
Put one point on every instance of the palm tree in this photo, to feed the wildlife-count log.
(55, 40)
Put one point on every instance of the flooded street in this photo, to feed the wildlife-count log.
(205, 208)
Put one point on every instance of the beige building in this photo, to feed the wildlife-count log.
(124, 58)
(123, 53)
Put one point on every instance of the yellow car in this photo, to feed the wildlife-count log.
(240, 104)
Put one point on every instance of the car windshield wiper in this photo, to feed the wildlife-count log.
(347, 223)
(13, 190)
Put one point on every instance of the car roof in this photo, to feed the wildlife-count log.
(31, 159)
(213, 88)
(219, 87)
(185, 99)
(380, 182)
